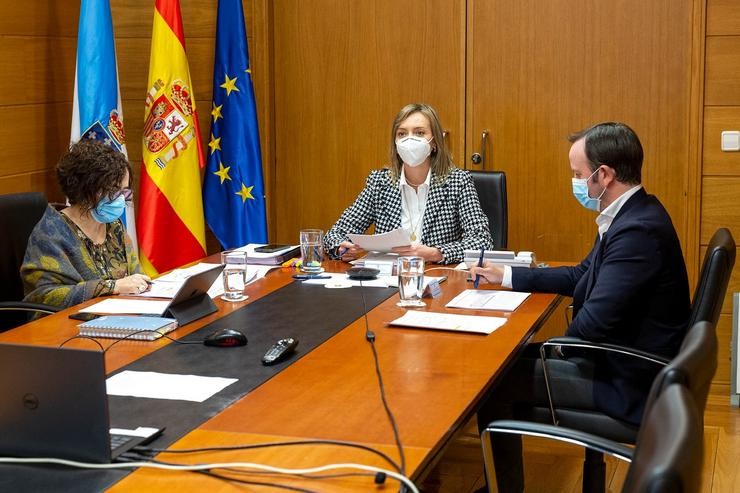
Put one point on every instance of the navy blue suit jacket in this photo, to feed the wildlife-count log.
(631, 290)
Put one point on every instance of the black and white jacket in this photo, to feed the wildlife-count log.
(453, 219)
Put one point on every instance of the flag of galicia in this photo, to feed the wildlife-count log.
(96, 110)
(233, 189)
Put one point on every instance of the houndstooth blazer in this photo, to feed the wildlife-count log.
(453, 219)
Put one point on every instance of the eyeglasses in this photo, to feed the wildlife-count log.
(127, 194)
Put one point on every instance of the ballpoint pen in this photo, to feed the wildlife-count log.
(306, 277)
(480, 264)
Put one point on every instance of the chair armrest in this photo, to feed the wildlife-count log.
(575, 342)
(561, 434)
(23, 306)
(557, 433)
(603, 346)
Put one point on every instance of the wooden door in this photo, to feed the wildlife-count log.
(541, 69)
(342, 70)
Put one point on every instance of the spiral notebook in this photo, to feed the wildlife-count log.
(130, 327)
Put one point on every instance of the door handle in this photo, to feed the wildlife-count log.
(479, 158)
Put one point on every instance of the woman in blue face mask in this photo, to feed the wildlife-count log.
(83, 251)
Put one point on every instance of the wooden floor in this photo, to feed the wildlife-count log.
(551, 467)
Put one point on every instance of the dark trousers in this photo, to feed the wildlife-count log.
(520, 390)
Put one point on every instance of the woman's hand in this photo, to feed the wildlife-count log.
(133, 284)
(489, 273)
(350, 251)
(429, 254)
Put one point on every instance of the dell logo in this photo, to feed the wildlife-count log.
(30, 401)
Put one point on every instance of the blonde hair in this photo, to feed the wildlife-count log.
(441, 161)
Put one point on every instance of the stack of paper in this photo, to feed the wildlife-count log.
(449, 321)
(474, 299)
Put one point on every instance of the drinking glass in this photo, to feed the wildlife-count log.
(410, 281)
(312, 250)
(234, 274)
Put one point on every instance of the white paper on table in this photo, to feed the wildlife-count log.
(393, 281)
(334, 278)
(160, 289)
(116, 306)
(156, 385)
(254, 272)
(181, 274)
(383, 242)
(475, 299)
(449, 321)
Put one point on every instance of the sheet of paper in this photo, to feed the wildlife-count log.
(254, 272)
(182, 274)
(112, 306)
(475, 299)
(169, 386)
(393, 281)
(383, 242)
(449, 321)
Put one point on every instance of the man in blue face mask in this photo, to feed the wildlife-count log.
(632, 290)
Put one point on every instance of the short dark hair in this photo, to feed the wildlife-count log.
(615, 145)
(90, 170)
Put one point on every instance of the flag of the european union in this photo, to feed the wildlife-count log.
(233, 190)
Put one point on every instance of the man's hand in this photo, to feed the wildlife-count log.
(489, 273)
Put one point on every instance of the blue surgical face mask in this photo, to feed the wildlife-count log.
(109, 210)
(580, 192)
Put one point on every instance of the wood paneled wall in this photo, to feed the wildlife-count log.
(38, 53)
(721, 170)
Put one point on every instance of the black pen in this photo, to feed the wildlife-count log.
(306, 277)
(480, 264)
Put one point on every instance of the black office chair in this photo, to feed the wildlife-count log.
(694, 366)
(19, 213)
(491, 188)
(709, 295)
(668, 454)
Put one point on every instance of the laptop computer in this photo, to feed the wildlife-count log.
(54, 404)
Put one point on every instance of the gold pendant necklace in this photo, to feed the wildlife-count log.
(412, 237)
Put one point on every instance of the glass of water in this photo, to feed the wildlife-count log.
(234, 274)
(410, 281)
(312, 250)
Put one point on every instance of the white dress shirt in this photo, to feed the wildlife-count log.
(603, 221)
(413, 204)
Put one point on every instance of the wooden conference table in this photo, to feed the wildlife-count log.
(433, 380)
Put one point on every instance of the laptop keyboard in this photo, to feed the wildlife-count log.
(117, 441)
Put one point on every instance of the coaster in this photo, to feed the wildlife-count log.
(234, 300)
(313, 272)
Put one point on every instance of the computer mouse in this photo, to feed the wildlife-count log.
(226, 338)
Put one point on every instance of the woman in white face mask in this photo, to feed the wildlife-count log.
(420, 191)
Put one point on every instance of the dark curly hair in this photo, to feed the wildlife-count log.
(91, 170)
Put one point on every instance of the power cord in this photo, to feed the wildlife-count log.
(370, 337)
(207, 467)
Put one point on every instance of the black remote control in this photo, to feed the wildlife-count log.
(279, 351)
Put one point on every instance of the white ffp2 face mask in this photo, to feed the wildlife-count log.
(413, 150)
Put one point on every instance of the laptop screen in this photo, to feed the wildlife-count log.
(54, 403)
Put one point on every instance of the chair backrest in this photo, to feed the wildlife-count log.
(693, 367)
(669, 450)
(19, 213)
(491, 188)
(715, 275)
